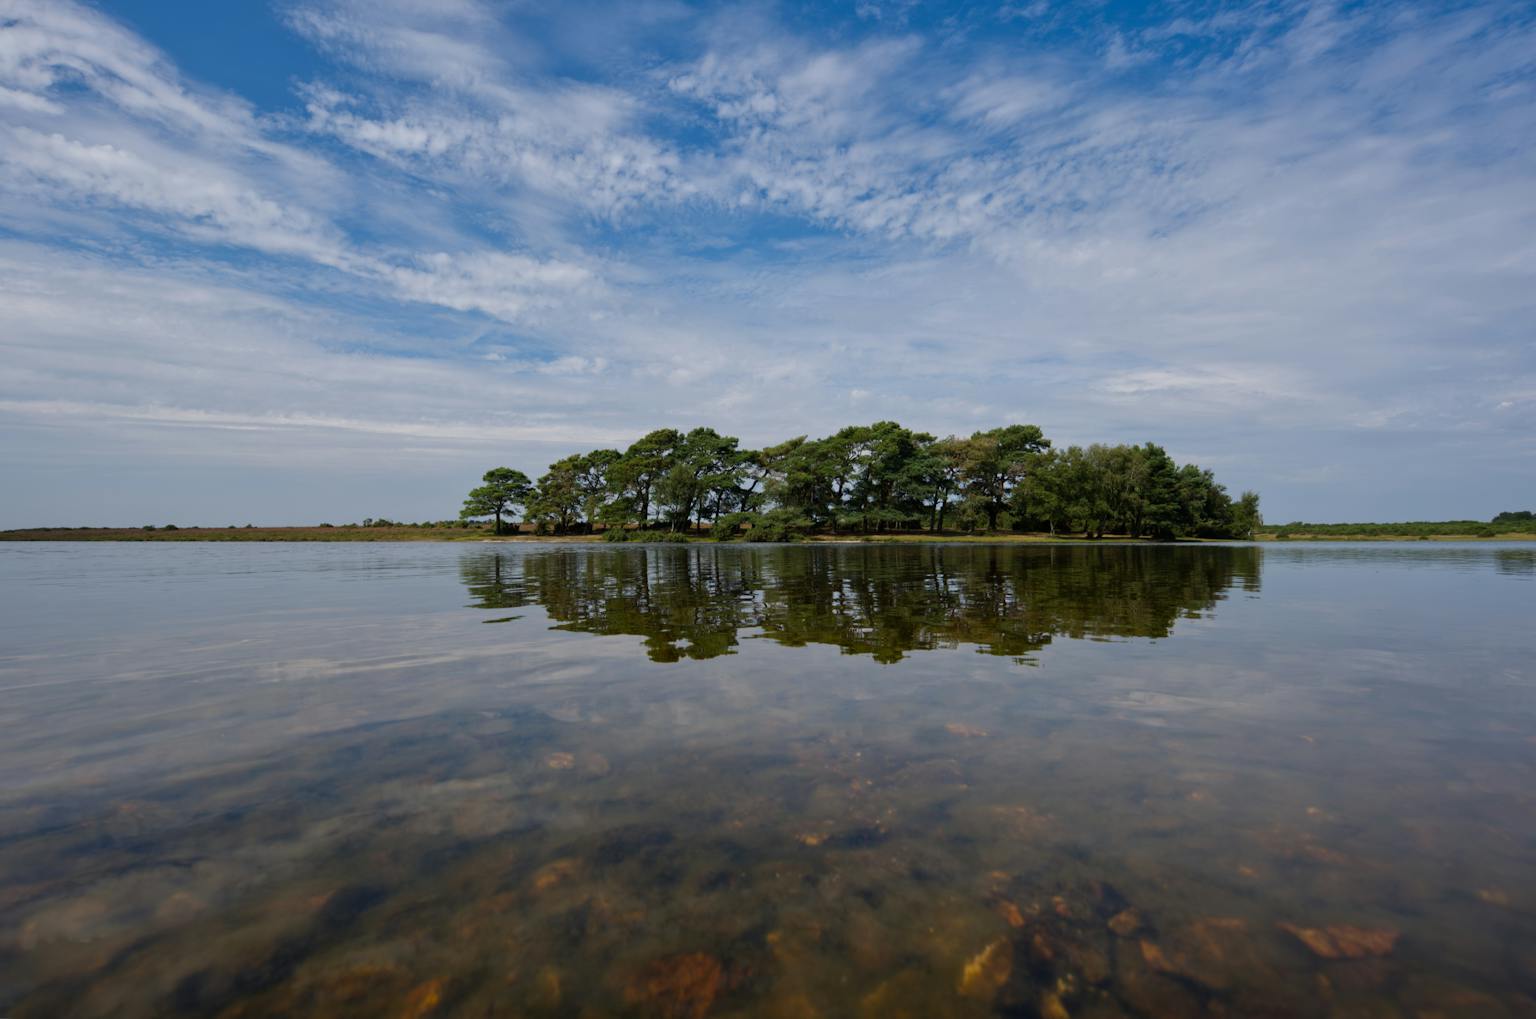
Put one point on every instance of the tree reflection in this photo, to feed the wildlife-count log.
(877, 600)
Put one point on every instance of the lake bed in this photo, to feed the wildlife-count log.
(823, 780)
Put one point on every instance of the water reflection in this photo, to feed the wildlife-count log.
(867, 600)
(309, 782)
(1516, 562)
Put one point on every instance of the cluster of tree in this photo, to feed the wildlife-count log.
(868, 479)
(866, 599)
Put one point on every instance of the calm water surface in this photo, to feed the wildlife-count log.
(495, 780)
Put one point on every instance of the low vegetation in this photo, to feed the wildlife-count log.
(370, 530)
(1515, 523)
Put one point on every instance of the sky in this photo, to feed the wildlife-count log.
(321, 260)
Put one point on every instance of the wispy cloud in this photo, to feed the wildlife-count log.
(1275, 234)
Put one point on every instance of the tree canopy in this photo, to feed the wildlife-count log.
(502, 490)
(871, 479)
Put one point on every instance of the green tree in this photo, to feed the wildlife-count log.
(874, 478)
(886, 486)
(556, 501)
(1162, 513)
(996, 462)
(503, 490)
(592, 483)
(633, 477)
(701, 463)
(1245, 515)
(939, 468)
(799, 477)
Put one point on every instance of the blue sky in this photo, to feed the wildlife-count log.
(328, 259)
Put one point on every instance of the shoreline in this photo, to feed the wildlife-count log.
(377, 534)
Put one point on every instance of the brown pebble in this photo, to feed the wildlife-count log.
(1125, 923)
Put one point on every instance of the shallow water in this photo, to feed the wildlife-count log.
(418, 779)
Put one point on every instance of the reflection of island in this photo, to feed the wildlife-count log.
(878, 600)
(1516, 562)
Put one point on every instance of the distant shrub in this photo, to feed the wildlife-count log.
(170, 527)
(649, 534)
(149, 527)
(729, 526)
(775, 525)
(1405, 529)
(778, 525)
(327, 525)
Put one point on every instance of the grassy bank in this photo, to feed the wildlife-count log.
(408, 533)
(1388, 536)
(1328, 532)
(452, 534)
(1414, 530)
(403, 533)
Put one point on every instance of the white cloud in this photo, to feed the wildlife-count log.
(506, 286)
(1296, 224)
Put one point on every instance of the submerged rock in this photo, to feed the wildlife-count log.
(678, 986)
(554, 873)
(1052, 1008)
(987, 970)
(1209, 952)
(423, 1000)
(1344, 941)
(1494, 896)
(1125, 923)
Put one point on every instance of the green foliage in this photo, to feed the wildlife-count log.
(730, 525)
(701, 466)
(647, 534)
(994, 462)
(1246, 518)
(503, 490)
(1509, 524)
(866, 479)
(778, 524)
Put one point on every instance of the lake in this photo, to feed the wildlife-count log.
(787, 781)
